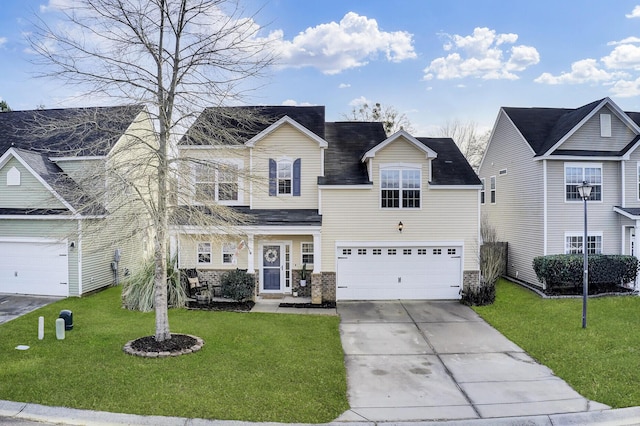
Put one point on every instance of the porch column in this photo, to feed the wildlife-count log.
(317, 252)
(250, 258)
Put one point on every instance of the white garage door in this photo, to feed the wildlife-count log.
(385, 273)
(34, 268)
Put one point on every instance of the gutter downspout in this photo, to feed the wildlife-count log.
(79, 254)
(544, 207)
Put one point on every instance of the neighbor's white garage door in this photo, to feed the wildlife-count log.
(384, 273)
(34, 268)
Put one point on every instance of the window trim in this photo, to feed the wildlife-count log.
(303, 253)
(198, 252)
(596, 234)
(483, 191)
(290, 163)
(605, 125)
(583, 165)
(492, 189)
(400, 167)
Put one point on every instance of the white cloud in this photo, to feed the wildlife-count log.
(3, 40)
(635, 13)
(350, 43)
(626, 88)
(627, 40)
(360, 101)
(625, 56)
(344, 86)
(482, 55)
(291, 102)
(53, 5)
(583, 71)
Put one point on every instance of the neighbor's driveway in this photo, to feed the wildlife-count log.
(15, 305)
(428, 360)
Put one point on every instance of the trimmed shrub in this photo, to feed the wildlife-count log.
(237, 285)
(565, 271)
(138, 291)
(483, 295)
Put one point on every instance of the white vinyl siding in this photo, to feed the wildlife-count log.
(30, 194)
(588, 136)
(518, 217)
(286, 142)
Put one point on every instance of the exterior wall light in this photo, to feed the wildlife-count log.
(400, 226)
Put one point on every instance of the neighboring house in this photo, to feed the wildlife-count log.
(59, 231)
(536, 158)
(371, 216)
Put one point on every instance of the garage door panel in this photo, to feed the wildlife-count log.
(398, 273)
(40, 268)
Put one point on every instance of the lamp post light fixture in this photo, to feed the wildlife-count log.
(585, 192)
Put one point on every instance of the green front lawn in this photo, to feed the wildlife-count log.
(601, 362)
(253, 367)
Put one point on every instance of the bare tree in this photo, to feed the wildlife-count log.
(391, 119)
(466, 136)
(174, 56)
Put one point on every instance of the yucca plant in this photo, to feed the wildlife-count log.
(138, 289)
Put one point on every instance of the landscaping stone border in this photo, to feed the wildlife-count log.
(195, 348)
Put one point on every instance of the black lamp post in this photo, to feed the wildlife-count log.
(585, 192)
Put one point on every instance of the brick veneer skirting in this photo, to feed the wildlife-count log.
(470, 279)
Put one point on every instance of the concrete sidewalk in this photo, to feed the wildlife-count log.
(424, 361)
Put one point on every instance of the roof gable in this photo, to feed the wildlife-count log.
(278, 124)
(546, 129)
(400, 134)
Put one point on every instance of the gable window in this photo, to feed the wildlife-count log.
(575, 174)
(13, 177)
(482, 191)
(400, 188)
(219, 182)
(284, 177)
(307, 252)
(605, 125)
(492, 189)
(204, 253)
(573, 244)
(229, 254)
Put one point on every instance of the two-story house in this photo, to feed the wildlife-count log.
(534, 162)
(65, 224)
(370, 216)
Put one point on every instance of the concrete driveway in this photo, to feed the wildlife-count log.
(438, 360)
(15, 305)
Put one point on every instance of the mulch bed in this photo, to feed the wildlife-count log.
(178, 344)
(222, 306)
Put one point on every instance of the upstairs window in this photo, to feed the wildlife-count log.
(284, 177)
(482, 191)
(217, 182)
(605, 125)
(400, 188)
(575, 174)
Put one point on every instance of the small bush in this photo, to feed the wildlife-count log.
(237, 285)
(138, 291)
(483, 295)
(562, 271)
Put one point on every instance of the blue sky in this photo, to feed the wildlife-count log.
(432, 60)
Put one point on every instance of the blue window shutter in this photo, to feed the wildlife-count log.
(273, 181)
(296, 178)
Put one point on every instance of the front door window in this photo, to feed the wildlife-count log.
(271, 267)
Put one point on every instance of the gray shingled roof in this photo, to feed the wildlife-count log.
(236, 125)
(66, 132)
(74, 132)
(256, 217)
(544, 127)
(450, 167)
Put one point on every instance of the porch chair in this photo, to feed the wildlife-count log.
(194, 284)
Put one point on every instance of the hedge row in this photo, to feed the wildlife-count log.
(566, 270)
